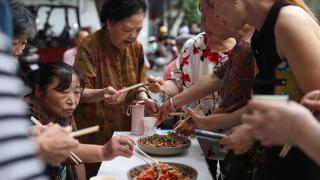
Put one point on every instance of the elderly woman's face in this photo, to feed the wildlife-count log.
(18, 45)
(232, 13)
(216, 15)
(123, 33)
(212, 25)
(60, 104)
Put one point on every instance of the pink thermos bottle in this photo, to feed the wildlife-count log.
(136, 110)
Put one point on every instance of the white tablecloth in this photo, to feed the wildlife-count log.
(119, 166)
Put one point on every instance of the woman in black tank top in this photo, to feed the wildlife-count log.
(286, 45)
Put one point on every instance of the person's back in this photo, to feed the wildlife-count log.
(18, 153)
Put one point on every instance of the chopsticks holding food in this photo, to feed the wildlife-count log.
(72, 156)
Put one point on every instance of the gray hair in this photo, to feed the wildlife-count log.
(182, 39)
(23, 20)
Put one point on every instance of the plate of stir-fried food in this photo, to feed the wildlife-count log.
(164, 144)
(163, 171)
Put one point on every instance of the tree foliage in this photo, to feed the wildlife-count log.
(191, 9)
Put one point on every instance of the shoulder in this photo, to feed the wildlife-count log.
(294, 27)
(243, 47)
(91, 41)
(198, 39)
(293, 19)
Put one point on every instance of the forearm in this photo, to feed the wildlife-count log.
(221, 121)
(92, 95)
(89, 153)
(310, 132)
(200, 89)
(171, 87)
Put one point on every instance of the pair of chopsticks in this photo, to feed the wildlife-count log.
(144, 157)
(72, 156)
(197, 109)
(134, 86)
(129, 88)
(177, 114)
(165, 92)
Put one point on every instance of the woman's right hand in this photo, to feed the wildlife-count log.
(155, 84)
(118, 146)
(55, 144)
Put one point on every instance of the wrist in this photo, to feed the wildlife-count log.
(175, 103)
(172, 104)
(142, 95)
(304, 127)
(102, 93)
(105, 153)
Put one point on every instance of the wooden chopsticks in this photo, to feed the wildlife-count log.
(285, 150)
(145, 156)
(134, 86)
(72, 156)
(177, 114)
(128, 88)
(85, 131)
(197, 109)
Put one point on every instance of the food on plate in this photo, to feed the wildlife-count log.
(168, 140)
(162, 171)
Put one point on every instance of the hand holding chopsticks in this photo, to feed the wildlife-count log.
(198, 108)
(113, 96)
(72, 156)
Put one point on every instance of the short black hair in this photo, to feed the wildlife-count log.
(23, 20)
(47, 72)
(117, 10)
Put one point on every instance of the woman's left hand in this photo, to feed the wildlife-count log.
(239, 139)
(118, 146)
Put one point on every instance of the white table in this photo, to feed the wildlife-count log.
(119, 166)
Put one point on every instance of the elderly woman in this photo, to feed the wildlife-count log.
(110, 60)
(55, 95)
(285, 44)
(24, 27)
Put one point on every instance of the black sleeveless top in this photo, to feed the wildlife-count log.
(296, 165)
